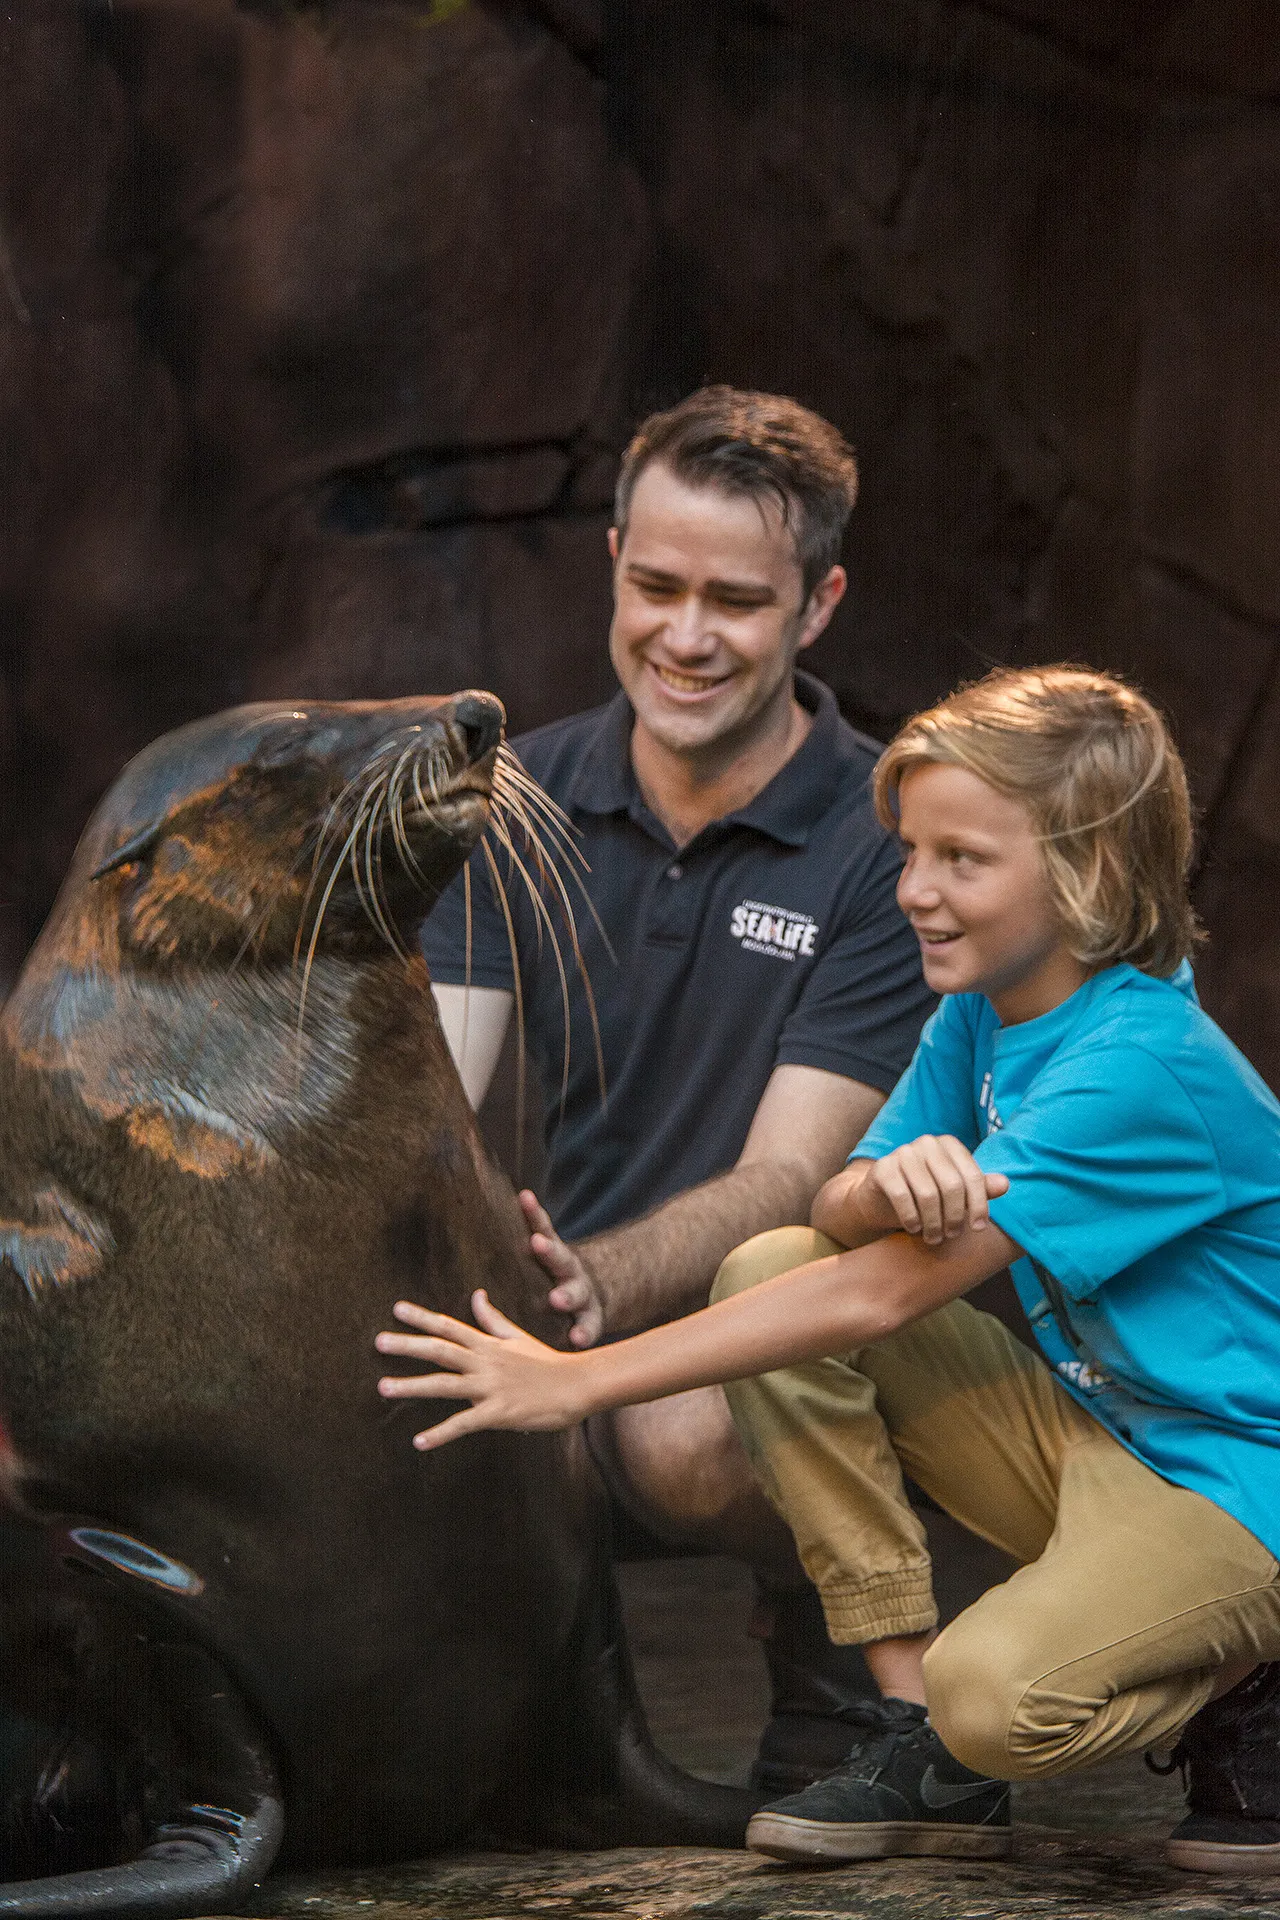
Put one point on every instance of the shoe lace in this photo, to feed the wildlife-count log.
(870, 1754)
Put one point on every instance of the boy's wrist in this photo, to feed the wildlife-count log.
(870, 1209)
(585, 1384)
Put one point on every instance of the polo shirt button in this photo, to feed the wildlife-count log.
(675, 871)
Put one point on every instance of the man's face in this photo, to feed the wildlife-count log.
(709, 612)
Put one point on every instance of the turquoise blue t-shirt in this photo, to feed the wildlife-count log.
(1143, 1158)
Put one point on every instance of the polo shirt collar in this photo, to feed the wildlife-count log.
(786, 809)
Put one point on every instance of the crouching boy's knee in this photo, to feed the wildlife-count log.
(767, 1255)
(974, 1700)
(994, 1706)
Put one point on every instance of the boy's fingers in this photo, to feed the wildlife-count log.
(972, 1188)
(491, 1318)
(439, 1324)
(925, 1172)
(436, 1348)
(425, 1386)
(996, 1184)
(452, 1428)
(900, 1197)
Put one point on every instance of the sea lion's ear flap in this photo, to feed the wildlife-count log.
(60, 1242)
(134, 847)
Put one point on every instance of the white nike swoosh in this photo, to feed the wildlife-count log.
(937, 1794)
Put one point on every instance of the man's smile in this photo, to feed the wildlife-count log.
(688, 682)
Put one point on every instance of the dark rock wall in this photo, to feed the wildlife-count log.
(321, 326)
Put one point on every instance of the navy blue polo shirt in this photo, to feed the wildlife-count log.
(771, 938)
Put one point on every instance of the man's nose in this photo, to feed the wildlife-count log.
(689, 626)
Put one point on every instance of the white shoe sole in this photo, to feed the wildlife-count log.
(1219, 1856)
(784, 1837)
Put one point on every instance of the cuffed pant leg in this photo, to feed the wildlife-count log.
(1114, 1637)
(821, 1452)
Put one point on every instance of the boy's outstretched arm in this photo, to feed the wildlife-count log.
(836, 1305)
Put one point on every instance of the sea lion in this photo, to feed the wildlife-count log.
(230, 1137)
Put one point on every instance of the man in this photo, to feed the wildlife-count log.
(758, 991)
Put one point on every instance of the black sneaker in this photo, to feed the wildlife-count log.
(1230, 1757)
(899, 1791)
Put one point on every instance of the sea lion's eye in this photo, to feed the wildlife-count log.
(279, 749)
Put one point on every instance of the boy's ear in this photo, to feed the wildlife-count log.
(134, 847)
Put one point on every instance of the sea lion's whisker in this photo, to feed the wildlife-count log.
(375, 904)
(533, 794)
(543, 917)
(500, 892)
(330, 828)
(510, 774)
(395, 813)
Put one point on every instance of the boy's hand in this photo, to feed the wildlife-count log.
(511, 1379)
(932, 1187)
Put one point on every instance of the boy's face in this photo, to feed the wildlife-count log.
(709, 613)
(975, 891)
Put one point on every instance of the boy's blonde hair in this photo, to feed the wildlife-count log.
(1093, 763)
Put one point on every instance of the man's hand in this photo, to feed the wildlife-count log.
(932, 1187)
(511, 1379)
(577, 1290)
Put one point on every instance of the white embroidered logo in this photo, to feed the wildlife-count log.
(773, 930)
(987, 1105)
(1089, 1379)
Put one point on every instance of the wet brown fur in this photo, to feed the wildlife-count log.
(200, 1373)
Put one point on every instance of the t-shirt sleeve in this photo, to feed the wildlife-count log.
(1108, 1158)
(865, 1000)
(935, 1094)
(444, 933)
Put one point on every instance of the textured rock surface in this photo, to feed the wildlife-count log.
(1086, 1846)
(321, 322)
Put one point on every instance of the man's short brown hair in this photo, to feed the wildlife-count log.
(761, 445)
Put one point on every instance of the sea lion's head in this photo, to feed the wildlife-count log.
(268, 832)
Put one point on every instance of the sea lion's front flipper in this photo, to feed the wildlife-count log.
(619, 1790)
(190, 1777)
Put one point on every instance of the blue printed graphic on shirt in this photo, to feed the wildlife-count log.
(1143, 1156)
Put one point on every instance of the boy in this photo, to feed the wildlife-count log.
(1070, 1109)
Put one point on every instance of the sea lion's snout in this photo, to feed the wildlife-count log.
(270, 831)
(480, 718)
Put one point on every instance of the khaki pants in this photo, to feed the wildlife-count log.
(1131, 1594)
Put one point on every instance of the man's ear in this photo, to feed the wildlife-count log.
(614, 543)
(822, 603)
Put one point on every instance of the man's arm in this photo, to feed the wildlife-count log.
(475, 1022)
(663, 1265)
